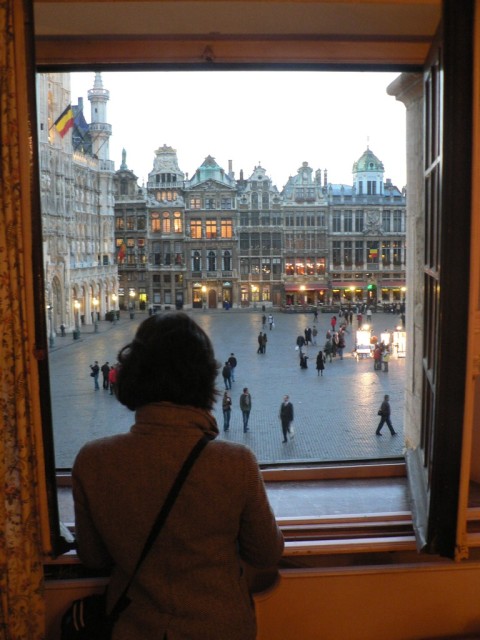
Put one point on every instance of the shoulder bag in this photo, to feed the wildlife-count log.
(87, 618)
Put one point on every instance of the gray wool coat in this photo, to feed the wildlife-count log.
(191, 585)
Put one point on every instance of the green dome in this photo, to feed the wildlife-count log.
(368, 162)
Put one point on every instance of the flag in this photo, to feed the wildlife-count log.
(64, 122)
(121, 253)
(373, 253)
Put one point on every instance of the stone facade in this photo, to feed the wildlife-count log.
(77, 212)
(207, 241)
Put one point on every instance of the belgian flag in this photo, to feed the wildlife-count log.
(64, 122)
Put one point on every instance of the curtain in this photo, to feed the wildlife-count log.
(21, 572)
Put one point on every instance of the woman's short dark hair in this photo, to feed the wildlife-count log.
(171, 359)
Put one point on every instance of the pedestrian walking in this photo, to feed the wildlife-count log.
(384, 412)
(105, 371)
(112, 379)
(333, 323)
(271, 323)
(227, 410)
(227, 375)
(260, 342)
(245, 407)
(95, 370)
(264, 321)
(320, 363)
(300, 342)
(314, 335)
(232, 361)
(328, 349)
(341, 344)
(286, 418)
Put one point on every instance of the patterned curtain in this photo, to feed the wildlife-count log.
(21, 575)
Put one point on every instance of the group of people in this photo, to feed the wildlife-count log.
(245, 408)
(381, 356)
(109, 375)
(262, 342)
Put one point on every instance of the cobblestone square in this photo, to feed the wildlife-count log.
(335, 414)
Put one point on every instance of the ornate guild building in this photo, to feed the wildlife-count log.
(208, 241)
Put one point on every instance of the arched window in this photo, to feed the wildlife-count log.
(166, 222)
(227, 261)
(211, 261)
(196, 261)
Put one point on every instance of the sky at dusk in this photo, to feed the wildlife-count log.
(278, 119)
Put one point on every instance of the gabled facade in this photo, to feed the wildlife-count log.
(211, 241)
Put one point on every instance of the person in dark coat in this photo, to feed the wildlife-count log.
(227, 375)
(94, 373)
(232, 361)
(227, 410)
(260, 342)
(105, 369)
(303, 361)
(286, 417)
(320, 363)
(384, 412)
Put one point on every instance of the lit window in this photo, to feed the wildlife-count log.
(211, 228)
(166, 222)
(177, 222)
(227, 228)
(195, 229)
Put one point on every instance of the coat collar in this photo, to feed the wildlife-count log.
(167, 414)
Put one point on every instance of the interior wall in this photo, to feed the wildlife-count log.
(364, 603)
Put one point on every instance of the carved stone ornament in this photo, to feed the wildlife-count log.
(373, 223)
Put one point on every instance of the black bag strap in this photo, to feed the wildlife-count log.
(160, 520)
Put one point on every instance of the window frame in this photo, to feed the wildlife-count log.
(454, 21)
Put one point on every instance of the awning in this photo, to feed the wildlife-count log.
(312, 286)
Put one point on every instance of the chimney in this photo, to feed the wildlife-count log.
(230, 168)
(325, 178)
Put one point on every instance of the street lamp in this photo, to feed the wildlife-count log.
(254, 295)
(302, 289)
(95, 314)
(114, 300)
(132, 304)
(51, 336)
(204, 297)
(77, 305)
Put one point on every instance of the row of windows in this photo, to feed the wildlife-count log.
(348, 221)
(255, 219)
(310, 266)
(211, 229)
(197, 202)
(372, 252)
(264, 241)
(342, 221)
